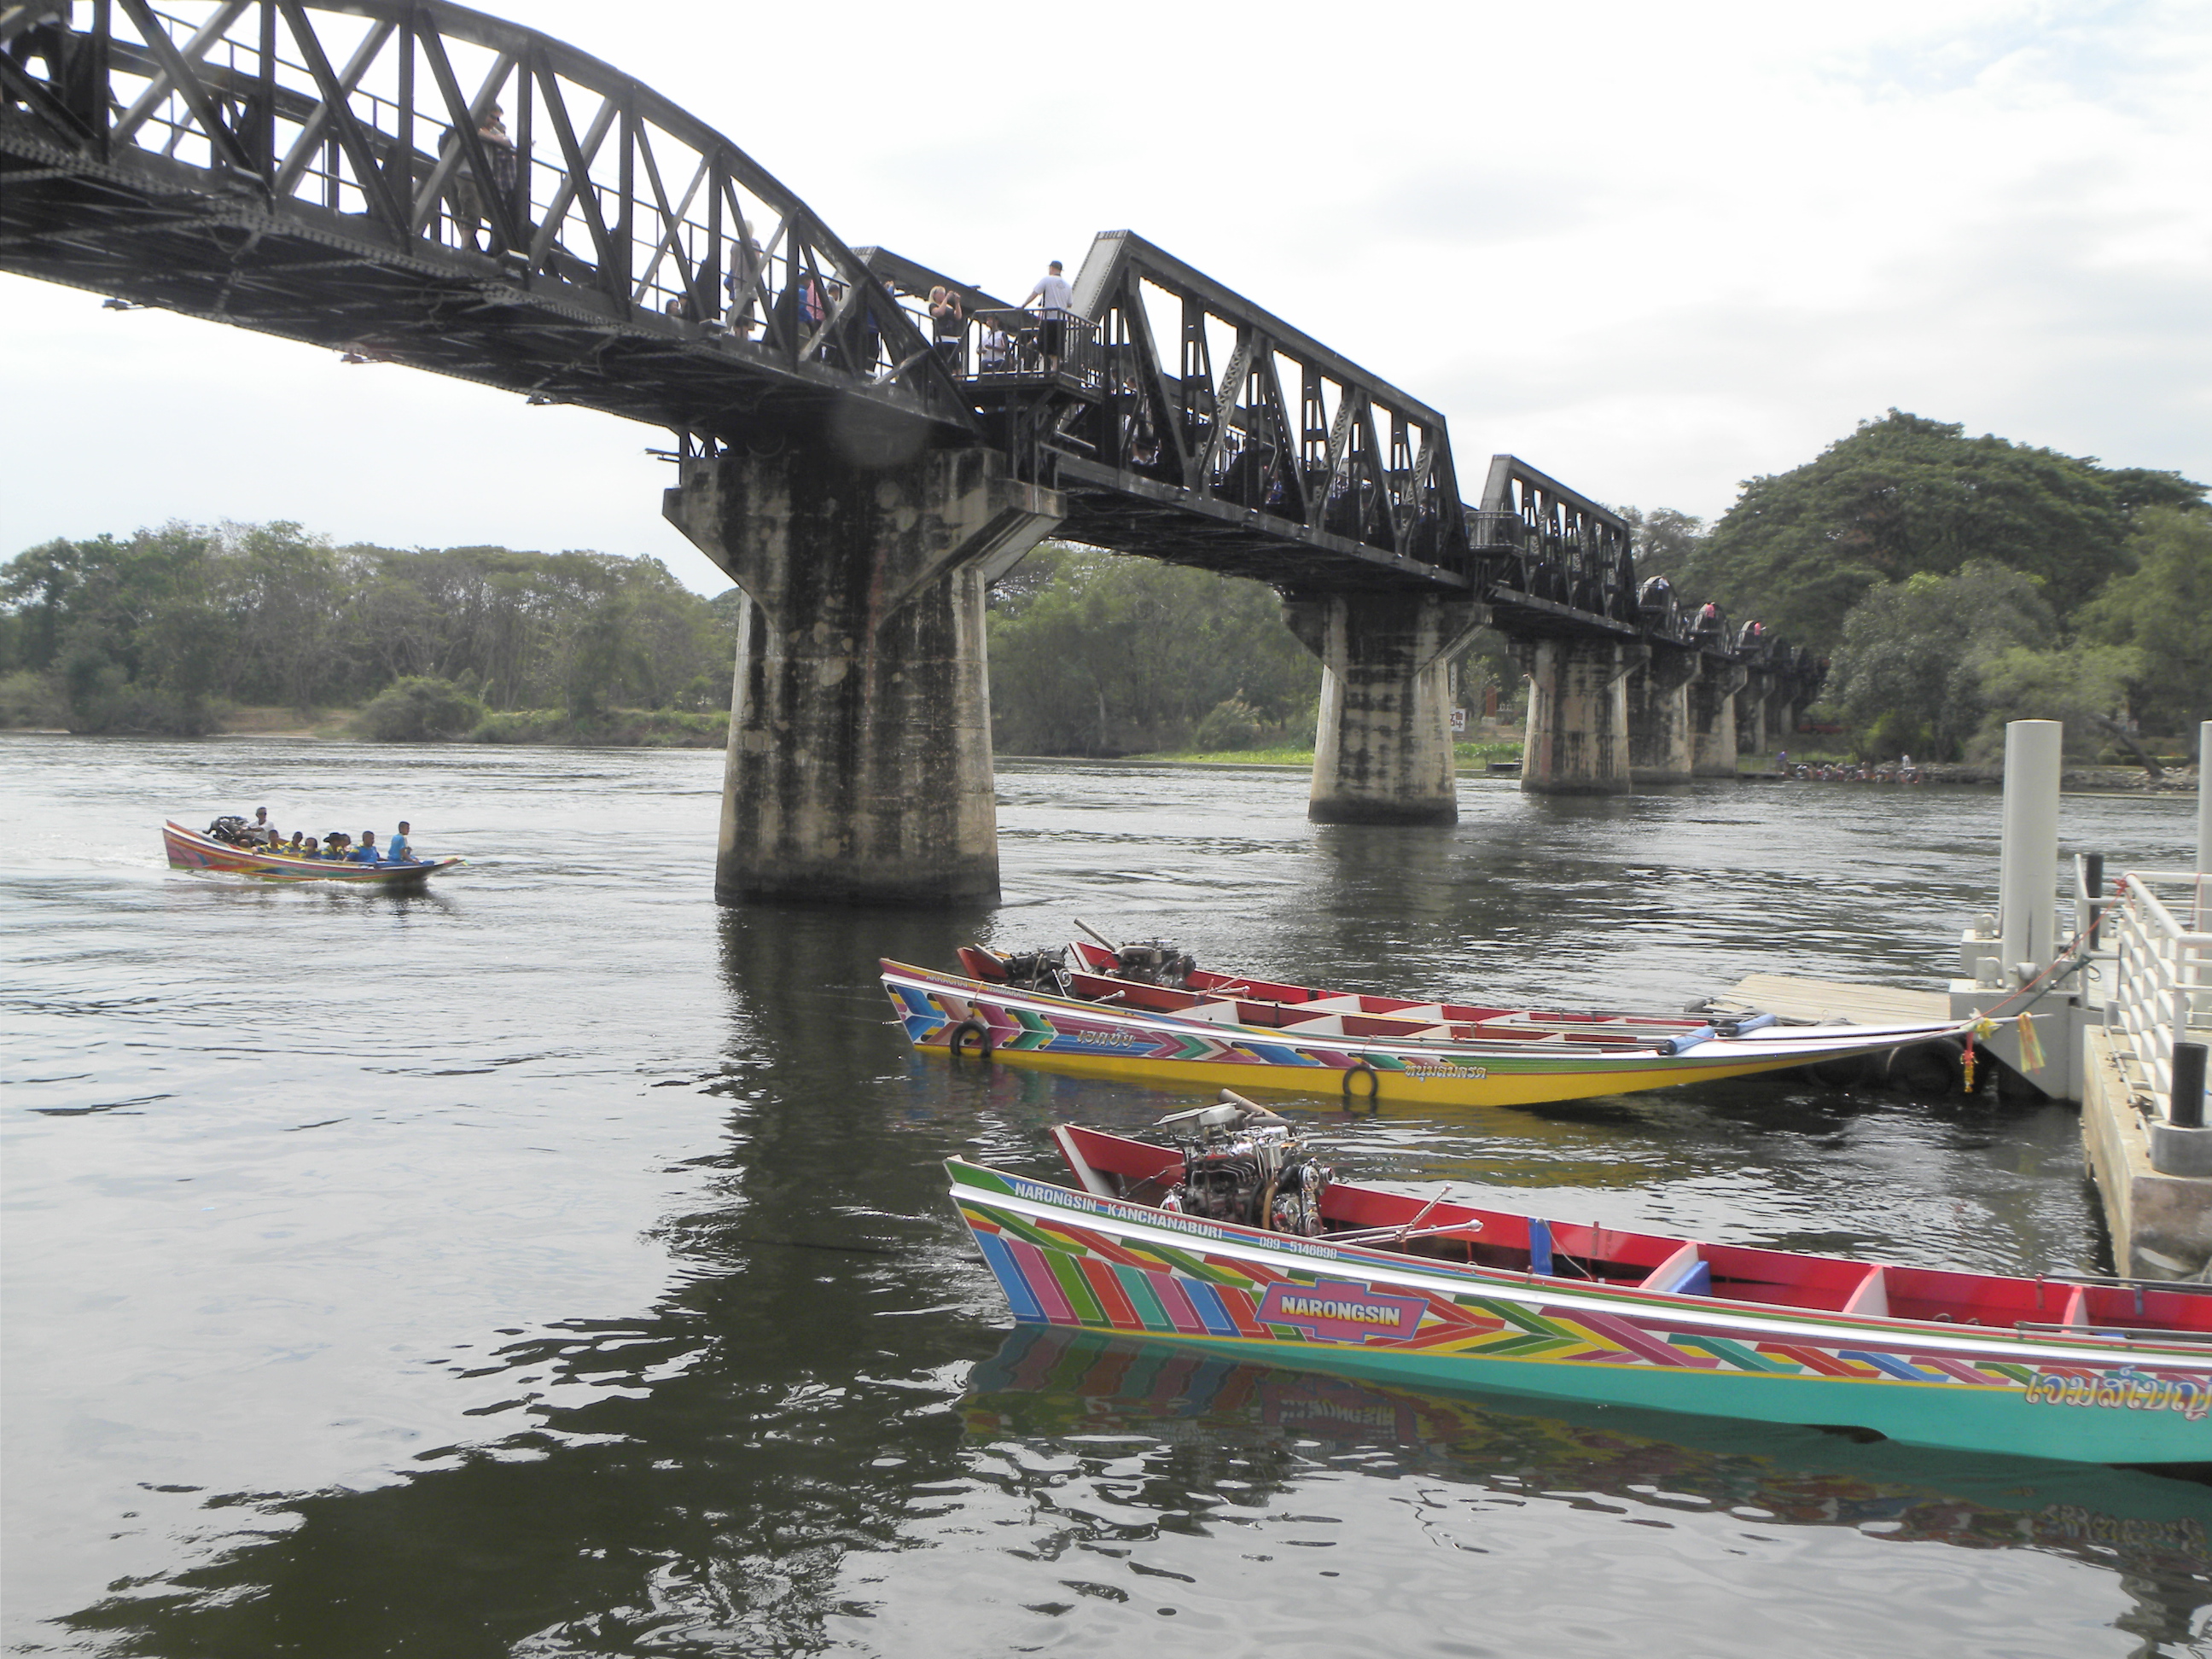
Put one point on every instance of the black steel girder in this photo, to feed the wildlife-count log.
(334, 173)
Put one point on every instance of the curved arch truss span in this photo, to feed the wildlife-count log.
(419, 183)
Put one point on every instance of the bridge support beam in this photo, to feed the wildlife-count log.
(1712, 717)
(1661, 749)
(860, 759)
(1781, 712)
(1383, 752)
(1576, 742)
(1751, 712)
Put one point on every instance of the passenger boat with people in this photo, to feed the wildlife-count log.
(1234, 1238)
(189, 849)
(1149, 1011)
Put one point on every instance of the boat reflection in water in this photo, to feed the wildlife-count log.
(2153, 1530)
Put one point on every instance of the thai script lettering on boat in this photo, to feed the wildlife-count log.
(2124, 1389)
(1432, 1065)
(1106, 1037)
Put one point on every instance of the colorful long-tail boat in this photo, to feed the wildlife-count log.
(1204, 1030)
(1236, 1242)
(188, 849)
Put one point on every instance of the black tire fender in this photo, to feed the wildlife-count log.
(974, 1026)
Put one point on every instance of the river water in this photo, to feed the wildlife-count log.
(552, 1263)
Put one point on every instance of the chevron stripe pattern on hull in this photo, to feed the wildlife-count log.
(942, 1013)
(1067, 1259)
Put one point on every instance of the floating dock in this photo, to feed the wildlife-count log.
(2122, 1009)
(1823, 1000)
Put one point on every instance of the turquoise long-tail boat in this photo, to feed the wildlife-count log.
(1236, 1241)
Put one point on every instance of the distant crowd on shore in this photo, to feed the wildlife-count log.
(1903, 771)
(260, 832)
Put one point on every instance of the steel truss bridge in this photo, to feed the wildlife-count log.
(331, 172)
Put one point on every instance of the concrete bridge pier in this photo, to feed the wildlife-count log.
(1661, 749)
(1751, 712)
(1712, 717)
(1382, 751)
(859, 758)
(1577, 732)
(1781, 715)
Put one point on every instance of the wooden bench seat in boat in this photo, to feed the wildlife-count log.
(1686, 1272)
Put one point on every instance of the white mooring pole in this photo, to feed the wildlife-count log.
(2027, 872)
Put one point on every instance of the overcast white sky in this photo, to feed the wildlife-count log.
(1654, 250)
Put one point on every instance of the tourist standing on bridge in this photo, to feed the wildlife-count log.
(947, 323)
(1057, 299)
(747, 280)
(469, 207)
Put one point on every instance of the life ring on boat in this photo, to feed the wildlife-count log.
(1925, 1068)
(1843, 1074)
(973, 1026)
(1374, 1083)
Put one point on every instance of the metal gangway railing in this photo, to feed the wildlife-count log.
(2154, 946)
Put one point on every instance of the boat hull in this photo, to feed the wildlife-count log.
(1059, 1033)
(1072, 1260)
(187, 849)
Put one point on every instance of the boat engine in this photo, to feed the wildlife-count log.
(229, 829)
(1039, 970)
(1154, 962)
(1245, 1164)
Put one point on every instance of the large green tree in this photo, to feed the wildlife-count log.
(1664, 541)
(2163, 608)
(1096, 652)
(1908, 676)
(1905, 495)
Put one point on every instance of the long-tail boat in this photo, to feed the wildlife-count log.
(1236, 1240)
(188, 849)
(1163, 1017)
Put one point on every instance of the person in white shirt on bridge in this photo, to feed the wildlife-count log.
(1057, 299)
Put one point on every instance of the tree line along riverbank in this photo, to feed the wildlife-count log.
(1952, 583)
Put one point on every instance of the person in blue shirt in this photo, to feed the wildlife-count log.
(367, 852)
(397, 851)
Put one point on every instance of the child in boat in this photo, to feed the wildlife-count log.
(366, 852)
(297, 847)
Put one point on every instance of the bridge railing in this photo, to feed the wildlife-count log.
(1010, 345)
(2161, 985)
(433, 133)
